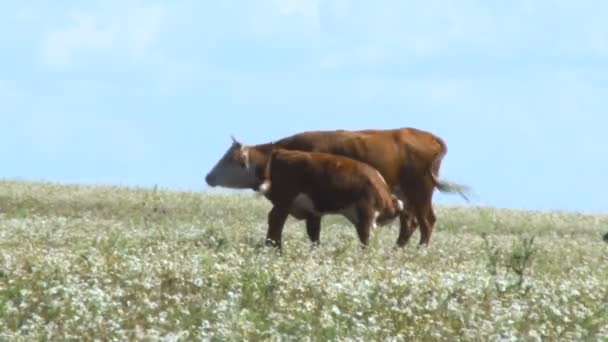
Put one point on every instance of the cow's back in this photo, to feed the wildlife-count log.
(388, 151)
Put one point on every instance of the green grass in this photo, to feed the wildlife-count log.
(111, 263)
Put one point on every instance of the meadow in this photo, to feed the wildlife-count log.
(117, 263)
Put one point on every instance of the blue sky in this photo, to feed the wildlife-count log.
(147, 93)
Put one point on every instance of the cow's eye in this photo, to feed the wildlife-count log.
(241, 162)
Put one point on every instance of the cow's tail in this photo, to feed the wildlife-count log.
(433, 170)
(442, 185)
(450, 187)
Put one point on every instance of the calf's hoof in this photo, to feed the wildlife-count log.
(272, 243)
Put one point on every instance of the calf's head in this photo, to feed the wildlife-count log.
(234, 169)
(391, 212)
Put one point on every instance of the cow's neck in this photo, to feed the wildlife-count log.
(258, 158)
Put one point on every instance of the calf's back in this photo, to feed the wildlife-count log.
(331, 182)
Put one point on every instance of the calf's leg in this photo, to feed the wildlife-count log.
(366, 217)
(313, 228)
(276, 220)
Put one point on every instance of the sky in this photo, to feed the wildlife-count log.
(145, 93)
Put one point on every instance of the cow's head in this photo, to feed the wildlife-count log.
(233, 170)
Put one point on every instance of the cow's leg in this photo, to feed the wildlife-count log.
(430, 215)
(419, 194)
(276, 221)
(426, 228)
(423, 210)
(426, 203)
(313, 228)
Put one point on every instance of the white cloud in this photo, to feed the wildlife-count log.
(27, 14)
(433, 92)
(130, 29)
(92, 136)
(307, 8)
(61, 46)
(143, 28)
(281, 18)
(437, 28)
(6, 90)
(366, 55)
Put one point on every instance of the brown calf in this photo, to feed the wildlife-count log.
(314, 184)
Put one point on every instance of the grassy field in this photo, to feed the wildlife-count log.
(113, 263)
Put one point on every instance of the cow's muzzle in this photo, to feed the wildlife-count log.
(210, 179)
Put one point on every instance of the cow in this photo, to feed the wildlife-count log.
(408, 158)
(313, 184)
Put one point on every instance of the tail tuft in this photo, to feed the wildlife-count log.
(445, 186)
(462, 190)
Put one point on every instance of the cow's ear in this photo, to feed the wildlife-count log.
(234, 141)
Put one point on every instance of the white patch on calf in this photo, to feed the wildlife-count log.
(399, 205)
(264, 187)
(375, 222)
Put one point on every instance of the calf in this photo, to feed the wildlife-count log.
(316, 183)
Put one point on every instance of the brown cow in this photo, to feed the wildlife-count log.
(409, 160)
(306, 184)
